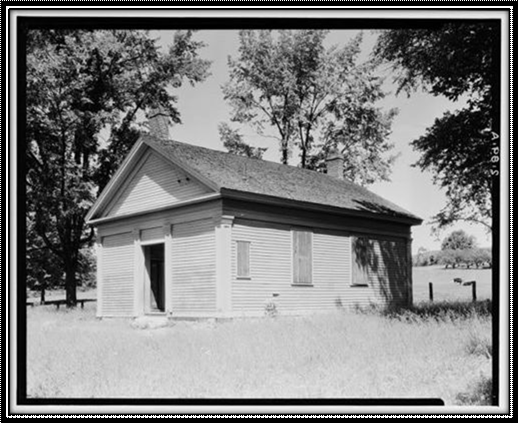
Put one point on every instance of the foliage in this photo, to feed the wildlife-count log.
(479, 345)
(233, 142)
(429, 258)
(452, 60)
(316, 99)
(477, 257)
(425, 257)
(479, 393)
(270, 309)
(458, 240)
(457, 148)
(472, 257)
(86, 269)
(80, 83)
(41, 267)
(442, 311)
(451, 258)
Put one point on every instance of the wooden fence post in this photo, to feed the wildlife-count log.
(42, 294)
(430, 290)
(474, 290)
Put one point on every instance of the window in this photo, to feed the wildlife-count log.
(302, 257)
(243, 259)
(363, 257)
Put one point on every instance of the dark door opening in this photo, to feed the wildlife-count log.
(155, 286)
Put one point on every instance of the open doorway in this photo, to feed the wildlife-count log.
(154, 294)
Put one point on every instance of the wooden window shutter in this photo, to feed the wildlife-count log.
(243, 259)
(362, 253)
(302, 257)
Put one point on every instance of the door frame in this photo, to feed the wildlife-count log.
(146, 280)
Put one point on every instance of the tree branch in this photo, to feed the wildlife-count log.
(49, 244)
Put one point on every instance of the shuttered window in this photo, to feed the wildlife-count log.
(243, 259)
(302, 257)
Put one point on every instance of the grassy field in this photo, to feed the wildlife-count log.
(439, 352)
(444, 287)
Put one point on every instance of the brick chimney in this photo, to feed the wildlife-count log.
(335, 164)
(158, 121)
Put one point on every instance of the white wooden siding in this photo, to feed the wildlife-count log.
(271, 271)
(152, 234)
(332, 286)
(117, 275)
(155, 183)
(270, 266)
(384, 268)
(193, 267)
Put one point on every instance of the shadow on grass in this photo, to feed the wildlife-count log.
(479, 393)
(438, 311)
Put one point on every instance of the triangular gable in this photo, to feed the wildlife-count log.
(154, 183)
(146, 181)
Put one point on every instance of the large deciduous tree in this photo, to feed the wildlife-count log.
(458, 240)
(452, 60)
(234, 143)
(80, 83)
(314, 98)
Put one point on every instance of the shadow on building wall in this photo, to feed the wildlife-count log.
(382, 264)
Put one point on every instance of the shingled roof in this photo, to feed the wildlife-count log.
(228, 171)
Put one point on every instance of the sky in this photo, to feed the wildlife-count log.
(202, 108)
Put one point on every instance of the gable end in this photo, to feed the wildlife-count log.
(154, 183)
(146, 181)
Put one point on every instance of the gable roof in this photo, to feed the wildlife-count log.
(229, 173)
(232, 176)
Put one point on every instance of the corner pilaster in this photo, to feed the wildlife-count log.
(409, 267)
(168, 252)
(138, 272)
(223, 231)
(99, 255)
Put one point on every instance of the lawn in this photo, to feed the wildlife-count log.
(438, 353)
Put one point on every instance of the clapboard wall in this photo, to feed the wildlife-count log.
(116, 287)
(272, 271)
(190, 249)
(193, 262)
(336, 279)
(154, 183)
(380, 271)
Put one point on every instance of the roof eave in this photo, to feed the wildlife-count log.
(180, 204)
(266, 199)
(143, 141)
(101, 201)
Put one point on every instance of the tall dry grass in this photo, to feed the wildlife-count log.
(409, 354)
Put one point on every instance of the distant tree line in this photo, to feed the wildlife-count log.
(457, 249)
(469, 258)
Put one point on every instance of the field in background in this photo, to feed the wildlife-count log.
(443, 286)
(434, 353)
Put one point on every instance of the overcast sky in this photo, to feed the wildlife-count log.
(202, 108)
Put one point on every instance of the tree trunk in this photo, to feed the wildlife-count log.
(42, 294)
(70, 283)
(303, 158)
(284, 152)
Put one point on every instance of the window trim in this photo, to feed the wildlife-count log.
(249, 243)
(352, 282)
(292, 267)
